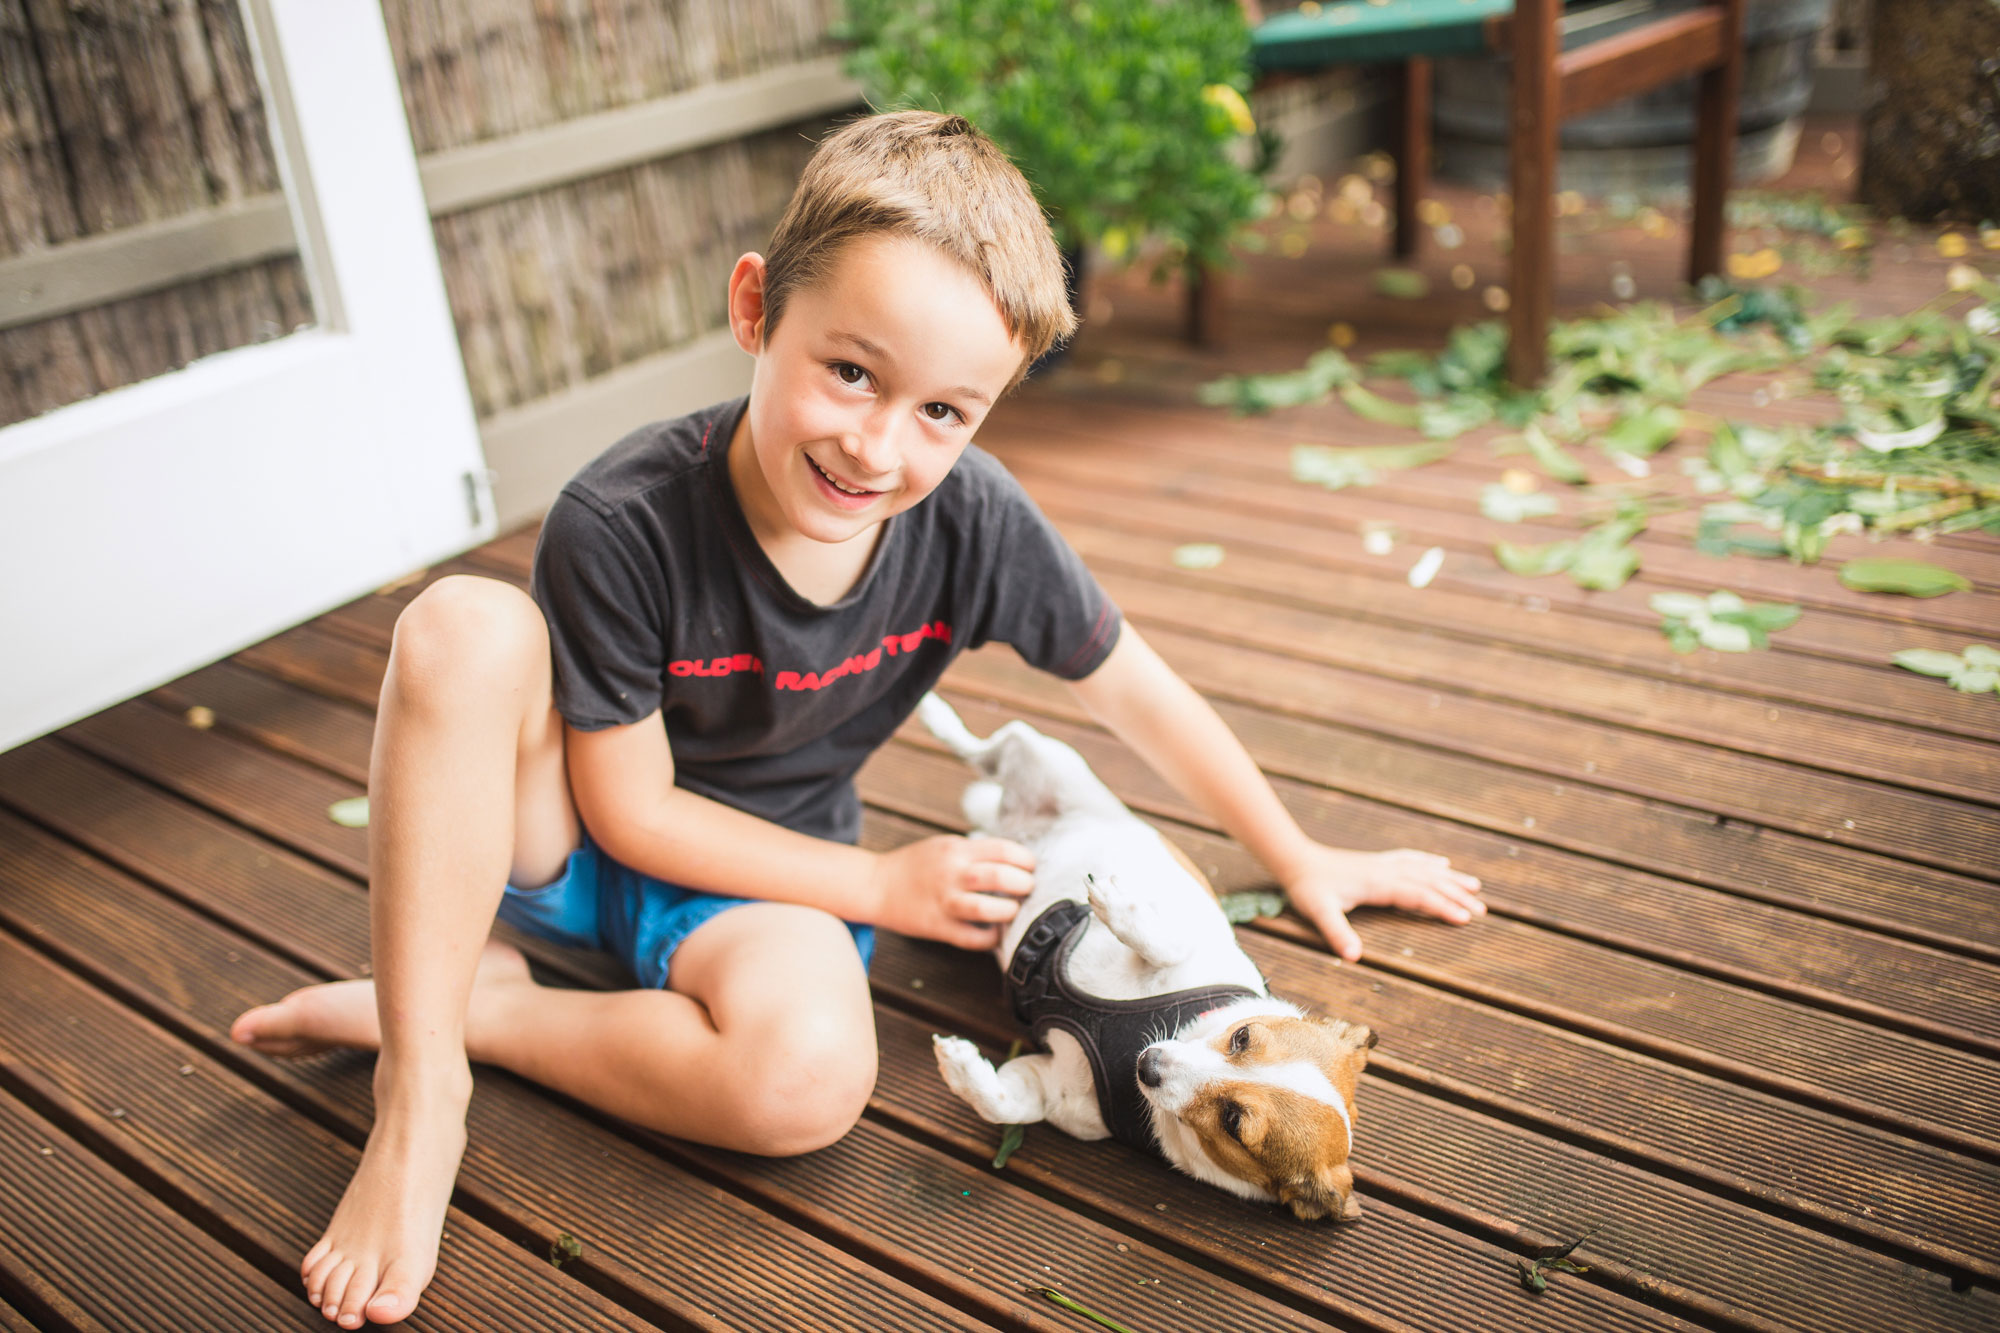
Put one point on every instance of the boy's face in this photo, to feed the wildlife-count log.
(868, 390)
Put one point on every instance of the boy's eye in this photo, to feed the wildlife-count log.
(840, 369)
(947, 412)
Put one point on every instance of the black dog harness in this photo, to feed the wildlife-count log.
(1111, 1032)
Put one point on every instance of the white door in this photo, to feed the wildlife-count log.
(160, 526)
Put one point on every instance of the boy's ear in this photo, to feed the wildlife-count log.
(746, 303)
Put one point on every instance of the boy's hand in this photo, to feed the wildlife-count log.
(1332, 882)
(954, 889)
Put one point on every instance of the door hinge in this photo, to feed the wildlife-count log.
(478, 495)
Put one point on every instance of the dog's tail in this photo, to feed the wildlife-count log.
(944, 723)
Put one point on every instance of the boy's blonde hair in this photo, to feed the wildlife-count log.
(936, 179)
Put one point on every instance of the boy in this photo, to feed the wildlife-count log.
(732, 610)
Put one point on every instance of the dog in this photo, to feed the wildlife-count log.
(1158, 1029)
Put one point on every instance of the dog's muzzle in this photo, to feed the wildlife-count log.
(1149, 1066)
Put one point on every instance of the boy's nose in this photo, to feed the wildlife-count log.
(873, 450)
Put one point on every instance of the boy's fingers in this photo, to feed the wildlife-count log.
(988, 907)
(997, 877)
(968, 936)
(1004, 850)
(1339, 934)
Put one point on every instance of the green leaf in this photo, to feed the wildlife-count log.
(1982, 655)
(1726, 637)
(1323, 465)
(1643, 431)
(1912, 578)
(1240, 908)
(564, 1248)
(1976, 680)
(1535, 561)
(1550, 455)
(351, 813)
(1929, 662)
(1373, 406)
(1504, 506)
(1066, 1303)
(1603, 566)
(1682, 604)
(1008, 1143)
(1531, 1275)
(1197, 555)
(1405, 284)
(1773, 616)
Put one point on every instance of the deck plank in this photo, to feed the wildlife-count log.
(1654, 1238)
(541, 1167)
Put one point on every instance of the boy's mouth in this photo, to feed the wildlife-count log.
(850, 492)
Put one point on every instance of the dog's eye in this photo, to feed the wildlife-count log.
(1232, 1120)
(1239, 1040)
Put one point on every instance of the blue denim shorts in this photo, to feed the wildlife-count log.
(599, 904)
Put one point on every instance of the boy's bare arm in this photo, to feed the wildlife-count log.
(959, 890)
(1149, 707)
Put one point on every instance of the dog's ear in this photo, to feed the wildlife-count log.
(1326, 1192)
(1351, 1034)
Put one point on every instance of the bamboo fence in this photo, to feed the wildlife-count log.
(115, 113)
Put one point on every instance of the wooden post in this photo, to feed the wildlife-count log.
(1205, 297)
(1715, 146)
(1537, 123)
(1413, 163)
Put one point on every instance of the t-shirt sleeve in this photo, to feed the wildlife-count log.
(604, 607)
(1041, 598)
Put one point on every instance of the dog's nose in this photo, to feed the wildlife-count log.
(1149, 1066)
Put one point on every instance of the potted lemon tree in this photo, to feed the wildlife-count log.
(1127, 116)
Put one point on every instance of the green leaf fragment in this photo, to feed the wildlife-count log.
(1535, 561)
(1912, 578)
(1643, 432)
(1531, 1275)
(1009, 1141)
(1404, 284)
(1603, 564)
(351, 813)
(1551, 456)
(564, 1248)
(1197, 555)
(1051, 1294)
(1374, 407)
(1240, 908)
(1323, 465)
(1981, 655)
(1976, 680)
(1504, 506)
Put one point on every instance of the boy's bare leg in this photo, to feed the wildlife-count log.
(466, 790)
(769, 1003)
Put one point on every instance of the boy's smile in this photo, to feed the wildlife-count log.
(866, 392)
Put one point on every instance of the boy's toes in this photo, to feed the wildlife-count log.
(396, 1295)
(337, 1284)
(348, 1311)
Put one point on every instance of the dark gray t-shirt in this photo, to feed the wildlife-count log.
(657, 595)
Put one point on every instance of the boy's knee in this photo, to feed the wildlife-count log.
(810, 1085)
(462, 626)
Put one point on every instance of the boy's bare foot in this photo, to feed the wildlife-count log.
(380, 1250)
(342, 1013)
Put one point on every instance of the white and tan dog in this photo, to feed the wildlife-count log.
(1159, 1029)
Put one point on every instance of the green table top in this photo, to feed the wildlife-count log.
(1357, 32)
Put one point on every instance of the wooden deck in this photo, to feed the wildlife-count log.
(1734, 1019)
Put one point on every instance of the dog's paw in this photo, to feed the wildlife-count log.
(1140, 924)
(966, 1072)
